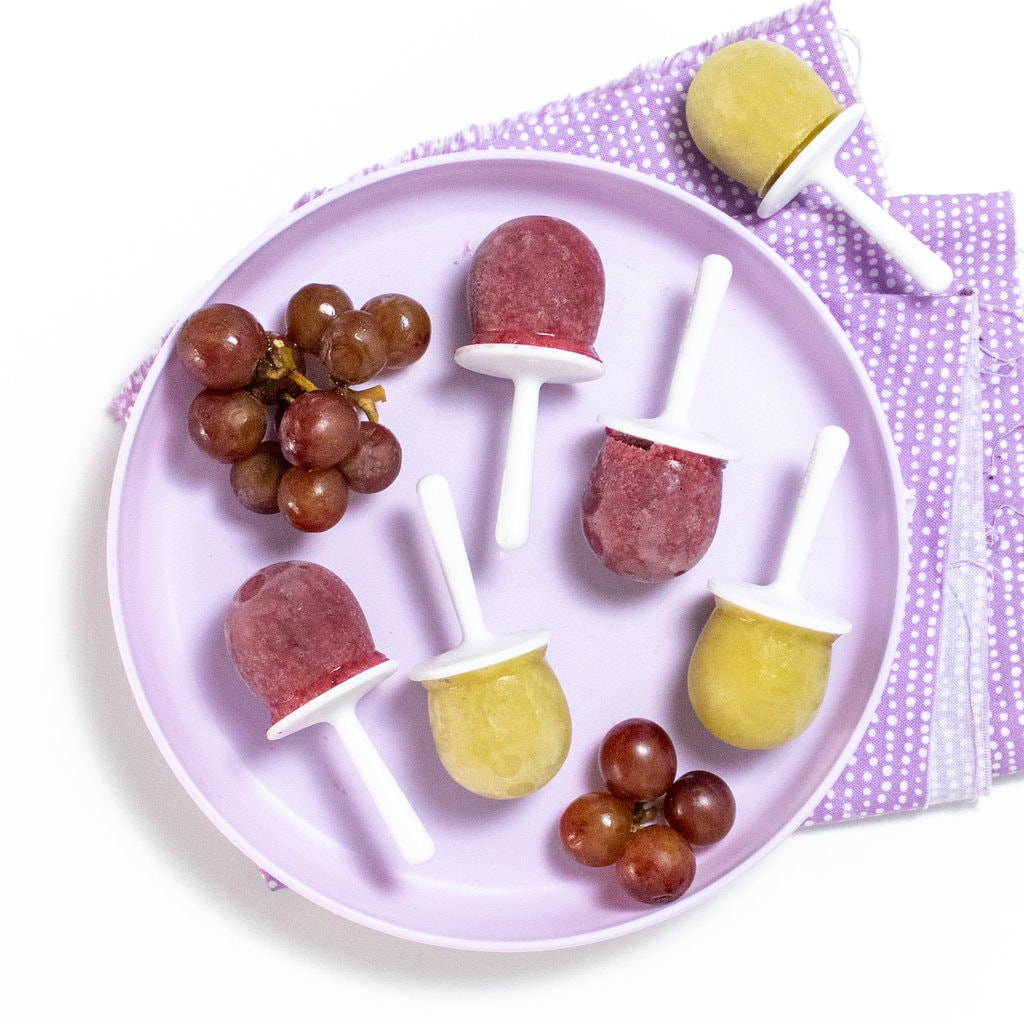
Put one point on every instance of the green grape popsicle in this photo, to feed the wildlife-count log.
(760, 667)
(497, 712)
(763, 116)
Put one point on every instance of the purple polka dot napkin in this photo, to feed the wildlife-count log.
(948, 373)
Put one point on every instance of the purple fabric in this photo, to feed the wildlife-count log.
(947, 370)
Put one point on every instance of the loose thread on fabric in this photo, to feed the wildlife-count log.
(993, 470)
(999, 367)
(1011, 430)
(992, 532)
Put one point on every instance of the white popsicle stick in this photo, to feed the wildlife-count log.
(816, 165)
(528, 367)
(713, 277)
(512, 528)
(672, 427)
(781, 599)
(823, 467)
(479, 646)
(442, 521)
(337, 707)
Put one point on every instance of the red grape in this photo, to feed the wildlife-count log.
(595, 828)
(310, 310)
(405, 325)
(353, 347)
(637, 760)
(700, 806)
(376, 460)
(313, 500)
(255, 479)
(227, 425)
(318, 429)
(657, 866)
(220, 346)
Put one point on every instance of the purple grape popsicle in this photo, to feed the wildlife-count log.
(652, 503)
(300, 640)
(536, 296)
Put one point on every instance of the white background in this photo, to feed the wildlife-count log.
(142, 147)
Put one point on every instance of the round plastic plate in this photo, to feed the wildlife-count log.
(777, 370)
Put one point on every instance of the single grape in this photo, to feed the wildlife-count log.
(657, 866)
(405, 324)
(310, 310)
(595, 828)
(313, 500)
(227, 425)
(220, 345)
(353, 348)
(700, 806)
(376, 460)
(318, 429)
(255, 479)
(637, 760)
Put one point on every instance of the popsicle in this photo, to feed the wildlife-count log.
(536, 294)
(300, 640)
(760, 667)
(653, 499)
(763, 116)
(497, 711)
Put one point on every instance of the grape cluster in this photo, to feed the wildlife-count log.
(296, 446)
(647, 821)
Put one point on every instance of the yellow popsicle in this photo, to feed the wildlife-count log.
(498, 716)
(502, 731)
(757, 682)
(752, 106)
(759, 669)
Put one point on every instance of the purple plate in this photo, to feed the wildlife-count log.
(179, 545)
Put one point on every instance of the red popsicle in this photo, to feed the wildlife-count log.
(294, 631)
(653, 500)
(536, 296)
(300, 640)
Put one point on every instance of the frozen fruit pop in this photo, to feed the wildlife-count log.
(759, 670)
(300, 640)
(654, 496)
(536, 295)
(762, 115)
(497, 712)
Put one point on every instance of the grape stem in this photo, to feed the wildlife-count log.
(283, 365)
(644, 813)
(366, 399)
(302, 380)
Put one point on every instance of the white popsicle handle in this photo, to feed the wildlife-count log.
(830, 447)
(816, 164)
(713, 279)
(925, 266)
(412, 839)
(435, 496)
(512, 528)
